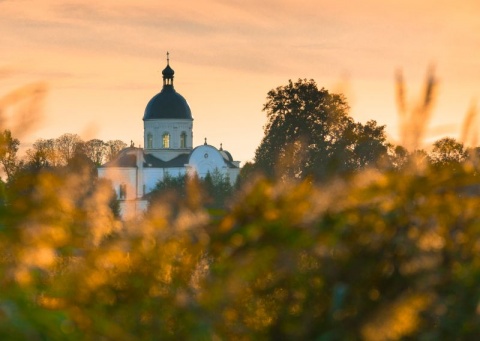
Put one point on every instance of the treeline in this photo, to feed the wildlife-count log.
(310, 136)
(215, 188)
(55, 152)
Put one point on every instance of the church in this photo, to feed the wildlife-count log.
(168, 150)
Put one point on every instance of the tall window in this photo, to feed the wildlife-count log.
(183, 140)
(166, 140)
(149, 140)
(122, 193)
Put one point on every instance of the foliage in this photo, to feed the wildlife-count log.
(371, 258)
(113, 148)
(309, 134)
(43, 154)
(218, 189)
(385, 255)
(448, 152)
(96, 151)
(399, 157)
(8, 153)
(369, 144)
(66, 146)
(171, 188)
(59, 151)
(247, 172)
(215, 188)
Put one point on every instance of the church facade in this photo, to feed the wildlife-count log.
(168, 150)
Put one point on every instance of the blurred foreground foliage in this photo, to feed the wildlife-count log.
(382, 255)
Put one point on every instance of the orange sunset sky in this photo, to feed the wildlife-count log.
(102, 60)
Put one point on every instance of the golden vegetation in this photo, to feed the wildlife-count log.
(385, 254)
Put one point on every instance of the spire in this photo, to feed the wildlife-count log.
(168, 73)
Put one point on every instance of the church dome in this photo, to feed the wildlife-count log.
(167, 103)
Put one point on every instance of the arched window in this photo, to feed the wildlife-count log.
(166, 140)
(183, 140)
(149, 140)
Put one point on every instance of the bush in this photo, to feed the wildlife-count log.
(384, 255)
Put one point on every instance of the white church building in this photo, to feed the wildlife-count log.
(168, 149)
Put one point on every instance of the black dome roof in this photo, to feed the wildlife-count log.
(167, 104)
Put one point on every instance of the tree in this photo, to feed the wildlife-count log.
(370, 144)
(214, 189)
(8, 153)
(66, 146)
(447, 152)
(218, 188)
(95, 150)
(247, 173)
(113, 148)
(169, 189)
(309, 134)
(171, 183)
(399, 157)
(43, 154)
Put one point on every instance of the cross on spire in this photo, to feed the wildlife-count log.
(168, 58)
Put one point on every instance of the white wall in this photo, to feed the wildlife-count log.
(206, 158)
(174, 127)
(119, 176)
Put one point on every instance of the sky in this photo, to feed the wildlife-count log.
(101, 62)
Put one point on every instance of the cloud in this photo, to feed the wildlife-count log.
(22, 71)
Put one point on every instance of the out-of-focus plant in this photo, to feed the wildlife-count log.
(414, 117)
(377, 257)
(385, 254)
(73, 271)
(22, 109)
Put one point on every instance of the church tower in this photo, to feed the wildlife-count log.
(168, 122)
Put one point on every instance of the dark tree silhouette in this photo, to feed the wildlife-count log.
(447, 152)
(310, 134)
